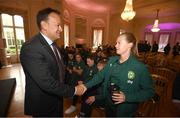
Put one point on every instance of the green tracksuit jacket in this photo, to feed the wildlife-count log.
(133, 79)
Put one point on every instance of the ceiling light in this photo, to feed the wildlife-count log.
(128, 13)
(155, 27)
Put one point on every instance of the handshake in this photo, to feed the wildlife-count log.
(80, 89)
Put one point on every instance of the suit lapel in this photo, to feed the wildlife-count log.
(46, 46)
(50, 51)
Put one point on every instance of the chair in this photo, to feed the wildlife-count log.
(141, 57)
(169, 75)
(153, 106)
(161, 61)
(174, 65)
(99, 112)
(150, 61)
(150, 68)
(161, 84)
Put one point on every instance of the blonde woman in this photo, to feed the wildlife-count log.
(131, 77)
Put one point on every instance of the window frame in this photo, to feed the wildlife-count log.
(97, 28)
(12, 42)
(162, 33)
(149, 33)
(68, 24)
(176, 37)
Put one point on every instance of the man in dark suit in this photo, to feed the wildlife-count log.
(44, 69)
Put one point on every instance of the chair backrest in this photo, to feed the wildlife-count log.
(150, 68)
(150, 61)
(151, 107)
(161, 61)
(160, 84)
(165, 72)
(169, 75)
(174, 65)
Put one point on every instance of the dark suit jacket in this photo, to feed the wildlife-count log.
(43, 91)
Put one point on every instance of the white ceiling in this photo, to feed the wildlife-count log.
(143, 8)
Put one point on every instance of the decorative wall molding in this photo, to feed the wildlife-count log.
(66, 15)
(98, 23)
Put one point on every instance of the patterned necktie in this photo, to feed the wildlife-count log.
(60, 62)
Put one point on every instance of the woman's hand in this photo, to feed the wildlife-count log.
(118, 97)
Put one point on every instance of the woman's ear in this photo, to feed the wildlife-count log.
(130, 45)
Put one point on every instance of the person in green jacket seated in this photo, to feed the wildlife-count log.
(131, 77)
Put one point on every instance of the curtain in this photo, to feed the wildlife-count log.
(66, 35)
(149, 38)
(163, 41)
(97, 37)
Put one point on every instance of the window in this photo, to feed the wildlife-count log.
(177, 39)
(149, 38)
(163, 41)
(97, 37)
(66, 35)
(13, 32)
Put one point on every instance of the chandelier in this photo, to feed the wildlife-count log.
(155, 27)
(128, 13)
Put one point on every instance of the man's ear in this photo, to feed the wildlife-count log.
(43, 25)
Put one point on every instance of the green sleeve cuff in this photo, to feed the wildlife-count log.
(99, 97)
(87, 85)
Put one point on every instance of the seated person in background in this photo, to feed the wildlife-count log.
(176, 93)
(97, 99)
(69, 68)
(77, 72)
(167, 48)
(176, 49)
(154, 47)
(88, 74)
(93, 97)
(98, 56)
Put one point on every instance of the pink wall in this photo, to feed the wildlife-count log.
(116, 23)
(90, 18)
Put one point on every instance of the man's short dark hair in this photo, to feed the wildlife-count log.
(103, 61)
(43, 15)
(91, 56)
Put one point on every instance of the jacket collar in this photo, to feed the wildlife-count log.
(46, 45)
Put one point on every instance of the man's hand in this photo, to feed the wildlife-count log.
(90, 100)
(80, 89)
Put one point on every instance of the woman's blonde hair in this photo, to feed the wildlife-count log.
(131, 39)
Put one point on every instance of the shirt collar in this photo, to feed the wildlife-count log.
(49, 41)
(127, 61)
